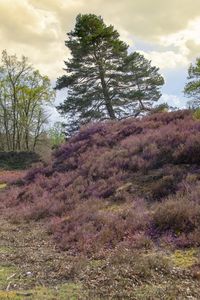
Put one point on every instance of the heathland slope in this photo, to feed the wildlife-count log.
(119, 182)
(122, 200)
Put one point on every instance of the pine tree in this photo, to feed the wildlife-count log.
(101, 76)
(92, 72)
(143, 82)
(192, 87)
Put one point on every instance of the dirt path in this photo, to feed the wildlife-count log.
(31, 266)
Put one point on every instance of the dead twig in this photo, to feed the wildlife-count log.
(8, 286)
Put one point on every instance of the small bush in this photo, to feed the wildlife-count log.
(92, 229)
(17, 160)
(163, 187)
(123, 272)
(177, 215)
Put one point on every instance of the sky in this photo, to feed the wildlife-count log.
(166, 32)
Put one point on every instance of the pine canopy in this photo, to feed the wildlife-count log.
(103, 81)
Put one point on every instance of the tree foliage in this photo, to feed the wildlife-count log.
(56, 135)
(24, 93)
(192, 87)
(142, 84)
(103, 81)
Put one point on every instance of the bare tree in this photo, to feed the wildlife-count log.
(24, 94)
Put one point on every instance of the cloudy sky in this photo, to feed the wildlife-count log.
(167, 32)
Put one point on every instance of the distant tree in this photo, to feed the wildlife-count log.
(56, 135)
(24, 93)
(192, 87)
(162, 107)
(196, 114)
(97, 86)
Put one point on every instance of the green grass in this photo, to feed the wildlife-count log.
(5, 274)
(68, 291)
(5, 249)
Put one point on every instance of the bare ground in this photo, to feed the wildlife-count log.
(32, 268)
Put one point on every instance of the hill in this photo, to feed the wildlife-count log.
(118, 189)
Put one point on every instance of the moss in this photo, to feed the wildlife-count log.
(5, 249)
(95, 263)
(184, 258)
(9, 296)
(113, 208)
(3, 185)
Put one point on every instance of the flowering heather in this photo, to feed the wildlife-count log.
(118, 182)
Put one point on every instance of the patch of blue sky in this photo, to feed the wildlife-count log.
(147, 46)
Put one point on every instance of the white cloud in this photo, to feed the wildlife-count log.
(166, 60)
(37, 28)
(187, 41)
(173, 100)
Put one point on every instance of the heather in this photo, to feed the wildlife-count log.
(115, 215)
(131, 182)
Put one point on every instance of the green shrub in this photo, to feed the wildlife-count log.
(17, 160)
(196, 114)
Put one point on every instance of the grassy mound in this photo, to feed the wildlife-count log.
(134, 183)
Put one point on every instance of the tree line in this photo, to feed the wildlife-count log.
(24, 92)
(104, 80)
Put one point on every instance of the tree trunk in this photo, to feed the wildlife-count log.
(107, 99)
